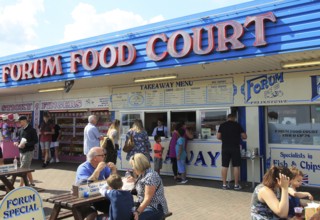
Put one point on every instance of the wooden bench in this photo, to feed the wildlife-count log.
(62, 215)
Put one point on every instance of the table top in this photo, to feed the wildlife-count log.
(70, 201)
(17, 171)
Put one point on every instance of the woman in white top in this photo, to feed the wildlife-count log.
(113, 132)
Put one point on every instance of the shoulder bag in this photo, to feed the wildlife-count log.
(129, 144)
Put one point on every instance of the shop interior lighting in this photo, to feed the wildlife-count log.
(51, 90)
(156, 78)
(300, 64)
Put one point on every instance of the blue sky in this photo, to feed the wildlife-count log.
(31, 24)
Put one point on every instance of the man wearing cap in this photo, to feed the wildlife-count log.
(28, 138)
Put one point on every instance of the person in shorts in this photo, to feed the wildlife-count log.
(157, 157)
(46, 132)
(181, 155)
(54, 146)
(231, 133)
(28, 138)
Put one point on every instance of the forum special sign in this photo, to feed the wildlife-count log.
(23, 203)
(306, 160)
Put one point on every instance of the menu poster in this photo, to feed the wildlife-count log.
(174, 94)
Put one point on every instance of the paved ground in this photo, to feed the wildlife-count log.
(198, 199)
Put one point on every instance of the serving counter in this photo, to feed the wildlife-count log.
(203, 160)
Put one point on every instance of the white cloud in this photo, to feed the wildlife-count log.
(88, 23)
(17, 25)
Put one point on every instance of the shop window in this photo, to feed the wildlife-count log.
(151, 120)
(127, 120)
(293, 124)
(210, 121)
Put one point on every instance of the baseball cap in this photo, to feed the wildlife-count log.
(22, 117)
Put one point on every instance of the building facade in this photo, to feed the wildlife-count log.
(258, 59)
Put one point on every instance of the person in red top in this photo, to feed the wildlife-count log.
(46, 131)
(158, 150)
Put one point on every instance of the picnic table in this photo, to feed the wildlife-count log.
(8, 184)
(72, 205)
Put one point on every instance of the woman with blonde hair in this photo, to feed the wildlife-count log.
(140, 139)
(270, 199)
(152, 203)
(114, 133)
(111, 142)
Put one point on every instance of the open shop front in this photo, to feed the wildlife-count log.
(72, 117)
(250, 59)
(9, 126)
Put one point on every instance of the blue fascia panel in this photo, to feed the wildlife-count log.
(297, 29)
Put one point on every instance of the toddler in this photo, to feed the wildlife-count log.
(294, 196)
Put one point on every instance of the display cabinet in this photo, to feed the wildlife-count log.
(72, 126)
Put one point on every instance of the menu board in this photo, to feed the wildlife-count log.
(174, 94)
(219, 91)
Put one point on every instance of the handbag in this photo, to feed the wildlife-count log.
(129, 144)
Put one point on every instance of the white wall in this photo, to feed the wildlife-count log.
(252, 129)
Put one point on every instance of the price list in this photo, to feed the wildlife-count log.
(195, 95)
(220, 91)
(154, 98)
(120, 100)
(180, 93)
(174, 96)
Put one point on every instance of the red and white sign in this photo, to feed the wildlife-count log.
(124, 53)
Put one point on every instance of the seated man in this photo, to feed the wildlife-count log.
(95, 169)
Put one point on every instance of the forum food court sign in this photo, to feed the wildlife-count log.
(124, 53)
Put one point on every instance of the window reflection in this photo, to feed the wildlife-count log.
(210, 121)
(293, 124)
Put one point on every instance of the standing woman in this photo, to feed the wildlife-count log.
(270, 199)
(173, 143)
(140, 139)
(114, 132)
(111, 143)
(46, 132)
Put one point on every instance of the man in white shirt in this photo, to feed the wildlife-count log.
(91, 135)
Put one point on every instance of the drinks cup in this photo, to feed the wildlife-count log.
(298, 211)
